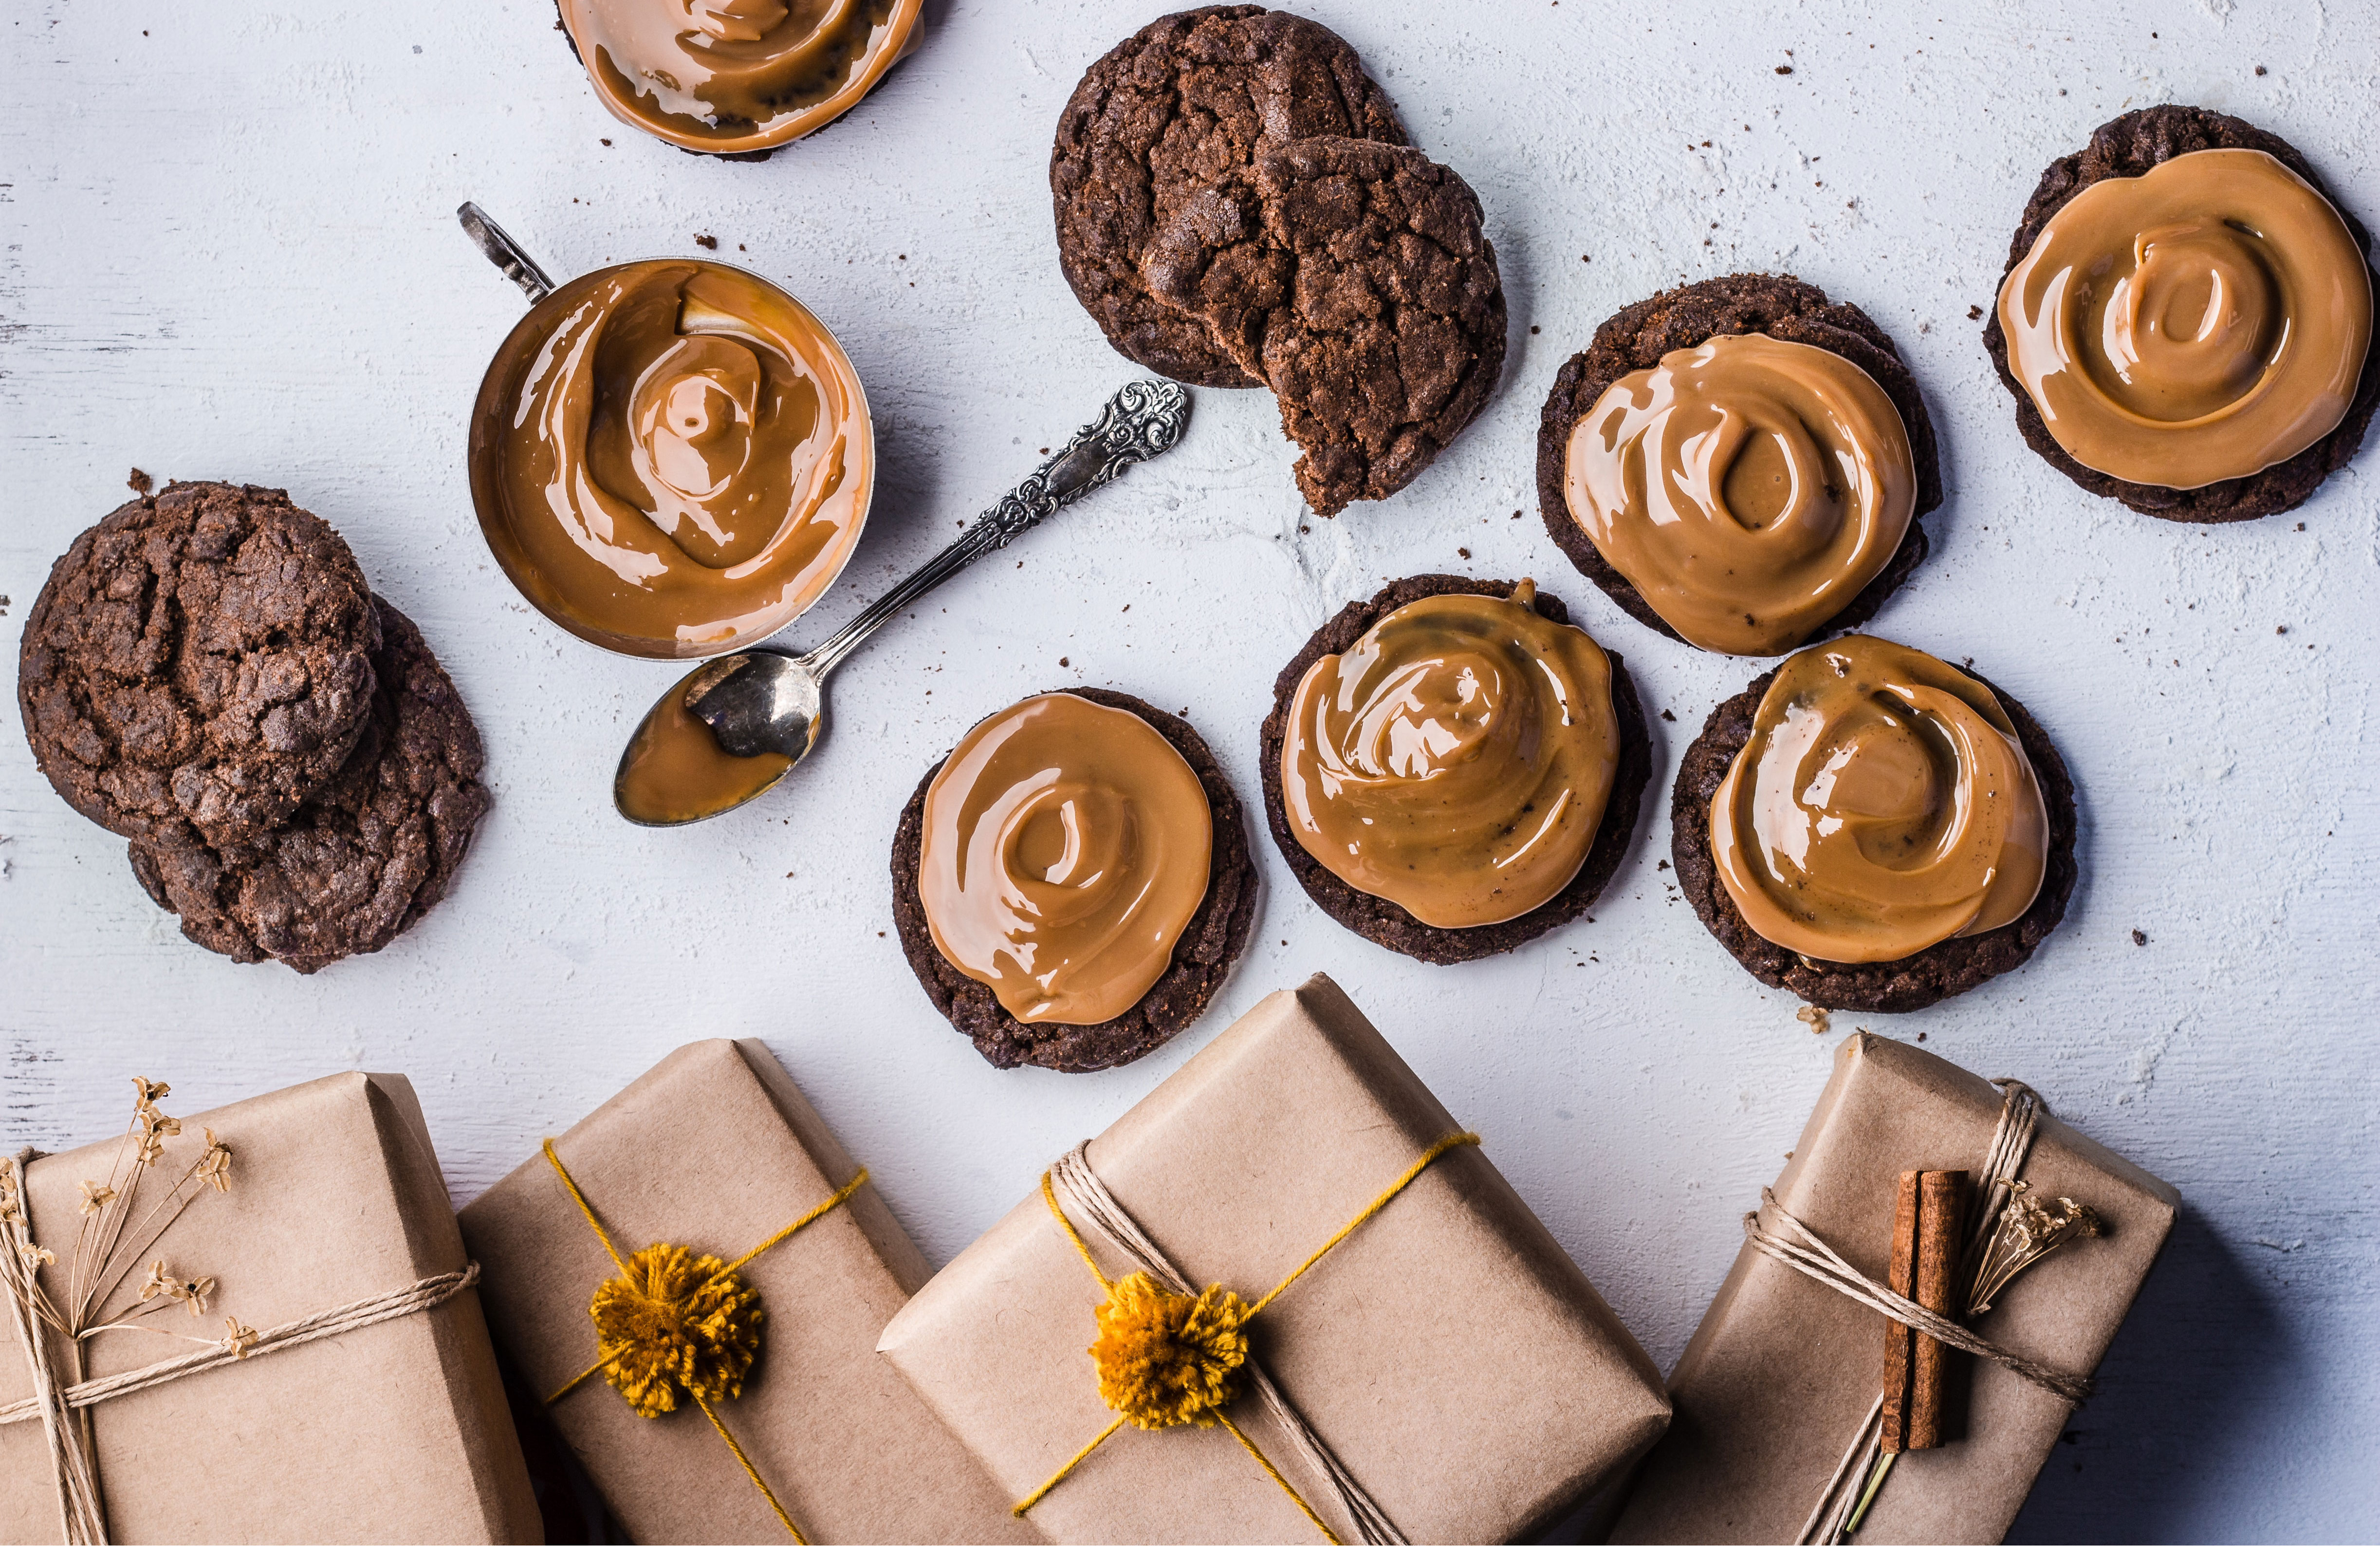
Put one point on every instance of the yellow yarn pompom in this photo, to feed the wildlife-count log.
(1165, 1359)
(676, 1320)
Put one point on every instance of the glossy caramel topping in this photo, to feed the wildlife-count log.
(1747, 487)
(1456, 760)
(1882, 805)
(675, 770)
(670, 459)
(727, 76)
(2199, 323)
(1066, 848)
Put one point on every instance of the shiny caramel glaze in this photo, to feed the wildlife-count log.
(1882, 805)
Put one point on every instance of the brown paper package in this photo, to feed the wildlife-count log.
(393, 1432)
(1448, 1351)
(716, 1150)
(1779, 1376)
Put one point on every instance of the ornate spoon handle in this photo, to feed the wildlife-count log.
(1143, 420)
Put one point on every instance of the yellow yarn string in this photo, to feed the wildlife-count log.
(1193, 1409)
(1441, 1147)
(718, 1288)
(754, 1473)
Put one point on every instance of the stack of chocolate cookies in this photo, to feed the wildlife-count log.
(208, 674)
(1237, 206)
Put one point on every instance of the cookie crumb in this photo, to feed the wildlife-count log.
(1662, 866)
(1921, 1036)
(1813, 1018)
(2139, 938)
(2260, 69)
(1465, 551)
(1667, 715)
(1063, 662)
(140, 483)
(1784, 69)
(1535, 328)
(707, 242)
(2281, 628)
(604, 142)
(1974, 313)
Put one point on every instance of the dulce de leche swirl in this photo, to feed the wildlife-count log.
(2199, 323)
(1456, 760)
(1748, 488)
(1066, 848)
(1882, 805)
(731, 76)
(670, 459)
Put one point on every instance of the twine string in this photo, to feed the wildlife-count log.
(1088, 1196)
(1843, 1501)
(841, 1196)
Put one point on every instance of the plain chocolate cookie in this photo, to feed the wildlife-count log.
(1387, 923)
(1203, 956)
(1781, 306)
(1952, 966)
(1356, 279)
(198, 663)
(2128, 147)
(365, 857)
(1183, 104)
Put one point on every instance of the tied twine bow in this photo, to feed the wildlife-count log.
(1168, 1356)
(2012, 1232)
(678, 1322)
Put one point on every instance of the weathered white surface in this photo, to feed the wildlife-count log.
(229, 252)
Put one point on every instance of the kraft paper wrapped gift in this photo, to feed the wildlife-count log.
(1772, 1388)
(714, 1149)
(393, 1429)
(1447, 1352)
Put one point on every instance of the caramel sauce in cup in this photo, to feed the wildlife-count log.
(731, 76)
(672, 458)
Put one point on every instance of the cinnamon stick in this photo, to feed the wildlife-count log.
(1900, 1363)
(1941, 1211)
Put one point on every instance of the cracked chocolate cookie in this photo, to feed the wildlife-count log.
(1637, 336)
(1184, 102)
(1389, 923)
(1948, 968)
(1204, 952)
(198, 664)
(365, 857)
(2132, 146)
(1356, 279)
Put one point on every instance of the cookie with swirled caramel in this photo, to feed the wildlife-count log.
(1883, 778)
(1483, 720)
(1639, 339)
(2200, 307)
(999, 863)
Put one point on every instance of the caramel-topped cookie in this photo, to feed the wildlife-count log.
(1184, 104)
(1073, 884)
(1832, 576)
(363, 859)
(2202, 328)
(198, 663)
(1872, 829)
(1479, 798)
(1356, 279)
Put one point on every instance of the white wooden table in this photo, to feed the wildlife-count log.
(227, 250)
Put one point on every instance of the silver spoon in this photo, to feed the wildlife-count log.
(762, 701)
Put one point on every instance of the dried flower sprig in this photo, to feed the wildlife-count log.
(2028, 1231)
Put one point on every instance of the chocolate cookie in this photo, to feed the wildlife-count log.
(1354, 276)
(1203, 956)
(1180, 105)
(198, 663)
(365, 857)
(1952, 967)
(1636, 338)
(2129, 147)
(1385, 923)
